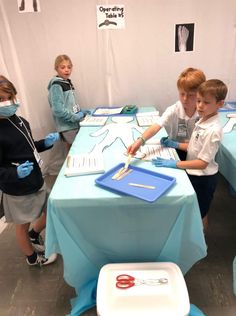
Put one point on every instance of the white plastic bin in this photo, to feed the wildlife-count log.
(170, 299)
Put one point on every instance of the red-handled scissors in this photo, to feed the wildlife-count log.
(125, 281)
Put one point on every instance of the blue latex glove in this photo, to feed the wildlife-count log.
(24, 169)
(80, 115)
(167, 142)
(86, 112)
(51, 138)
(161, 162)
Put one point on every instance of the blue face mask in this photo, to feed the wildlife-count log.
(8, 110)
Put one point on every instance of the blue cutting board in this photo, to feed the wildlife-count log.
(159, 181)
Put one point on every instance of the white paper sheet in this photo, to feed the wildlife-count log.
(84, 164)
(107, 111)
(152, 151)
(94, 121)
(147, 118)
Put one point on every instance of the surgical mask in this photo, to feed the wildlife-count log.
(8, 108)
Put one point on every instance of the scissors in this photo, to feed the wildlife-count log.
(125, 281)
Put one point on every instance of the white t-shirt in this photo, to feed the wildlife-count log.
(178, 124)
(204, 144)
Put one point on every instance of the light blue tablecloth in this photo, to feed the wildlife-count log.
(226, 159)
(226, 156)
(90, 226)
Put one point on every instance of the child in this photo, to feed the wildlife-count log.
(204, 143)
(178, 119)
(66, 111)
(24, 194)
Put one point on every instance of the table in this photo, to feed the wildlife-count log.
(226, 156)
(90, 226)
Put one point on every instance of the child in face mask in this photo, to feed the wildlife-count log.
(24, 194)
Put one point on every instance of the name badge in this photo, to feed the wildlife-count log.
(182, 130)
(38, 158)
(76, 108)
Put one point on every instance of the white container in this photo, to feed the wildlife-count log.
(170, 299)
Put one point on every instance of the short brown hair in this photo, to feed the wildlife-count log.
(214, 87)
(8, 87)
(60, 59)
(190, 79)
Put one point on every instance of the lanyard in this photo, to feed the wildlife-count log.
(29, 138)
(72, 90)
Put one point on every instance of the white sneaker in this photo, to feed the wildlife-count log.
(42, 260)
(50, 259)
(38, 243)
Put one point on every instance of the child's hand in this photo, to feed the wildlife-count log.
(161, 162)
(86, 112)
(51, 138)
(132, 149)
(24, 169)
(167, 142)
(80, 115)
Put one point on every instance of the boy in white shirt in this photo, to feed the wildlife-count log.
(178, 119)
(204, 143)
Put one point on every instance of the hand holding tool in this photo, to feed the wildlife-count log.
(123, 170)
(24, 169)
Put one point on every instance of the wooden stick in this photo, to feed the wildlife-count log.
(139, 185)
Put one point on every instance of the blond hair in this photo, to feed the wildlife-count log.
(8, 87)
(214, 87)
(190, 79)
(59, 59)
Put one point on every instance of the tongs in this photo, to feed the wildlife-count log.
(124, 171)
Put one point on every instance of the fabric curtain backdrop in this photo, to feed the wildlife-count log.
(135, 65)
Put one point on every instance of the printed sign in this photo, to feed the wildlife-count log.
(110, 17)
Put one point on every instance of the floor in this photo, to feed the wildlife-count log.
(31, 291)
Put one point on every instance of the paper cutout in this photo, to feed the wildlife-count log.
(229, 126)
(114, 131)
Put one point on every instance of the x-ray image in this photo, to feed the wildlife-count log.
(184, 36)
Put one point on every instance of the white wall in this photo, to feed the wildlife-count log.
(136, 65)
